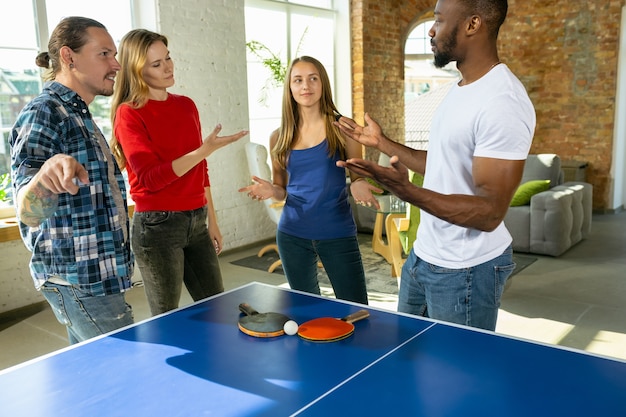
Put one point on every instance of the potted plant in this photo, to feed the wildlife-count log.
(273, 63)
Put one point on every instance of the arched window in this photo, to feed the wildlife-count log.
(424, 85)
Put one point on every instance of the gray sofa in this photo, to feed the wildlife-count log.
(555, 219)
(553, 222)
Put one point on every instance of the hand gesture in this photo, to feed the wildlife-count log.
(61, 174)
(394, 177)
(369, 135)
(213, 142)
(261, 190)
(38, 200)
(363, 193)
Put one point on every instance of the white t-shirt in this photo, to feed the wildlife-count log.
(492, 117)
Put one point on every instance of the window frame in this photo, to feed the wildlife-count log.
(142, 14)
(341, 71)
(422, 56)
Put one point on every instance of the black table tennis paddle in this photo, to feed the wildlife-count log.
(257, 324)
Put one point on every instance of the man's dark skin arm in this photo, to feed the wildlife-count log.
(495, 180)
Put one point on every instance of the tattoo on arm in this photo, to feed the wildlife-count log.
(38, 204)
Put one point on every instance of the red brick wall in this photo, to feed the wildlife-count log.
(565, 53)
(378, 65)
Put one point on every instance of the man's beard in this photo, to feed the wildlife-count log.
(442, 59)
(443, 54)
(106, 91)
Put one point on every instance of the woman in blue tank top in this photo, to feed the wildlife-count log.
(316, 222)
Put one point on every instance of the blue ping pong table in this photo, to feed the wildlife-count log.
(195, 362)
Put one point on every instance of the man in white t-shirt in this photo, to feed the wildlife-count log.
(479, 140)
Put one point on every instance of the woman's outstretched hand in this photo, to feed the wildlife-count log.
(213, 142)
(260, 190)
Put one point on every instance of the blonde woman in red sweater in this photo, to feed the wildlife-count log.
(158, 139)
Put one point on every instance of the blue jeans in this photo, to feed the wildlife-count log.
(468, 296)
(172, 247)
(84, 315)
(341, 259)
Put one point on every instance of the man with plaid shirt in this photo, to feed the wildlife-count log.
(70, 193)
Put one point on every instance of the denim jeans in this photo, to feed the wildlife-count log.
(341, 259)
(468, 296)
(172, 247)
(84, 315)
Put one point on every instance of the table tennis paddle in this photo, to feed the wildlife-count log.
(330, 329)
(258, 324)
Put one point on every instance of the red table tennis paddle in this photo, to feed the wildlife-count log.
(258, 324)
(330, 329)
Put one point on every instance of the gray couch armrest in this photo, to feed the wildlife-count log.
(551, 221)
(558, 219)
(586, 204)
(517, 222)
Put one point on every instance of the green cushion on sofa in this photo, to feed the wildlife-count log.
(525, 191)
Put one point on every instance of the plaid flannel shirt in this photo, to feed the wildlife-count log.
(83, 241)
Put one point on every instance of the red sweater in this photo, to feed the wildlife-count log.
(152, 137)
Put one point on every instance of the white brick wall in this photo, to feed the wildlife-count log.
(207, 44)
(18, 289)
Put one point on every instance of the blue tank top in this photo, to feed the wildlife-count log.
(317, 205)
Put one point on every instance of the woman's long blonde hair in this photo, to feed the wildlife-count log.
(130, 86)
(291, 116)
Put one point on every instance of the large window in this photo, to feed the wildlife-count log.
(24, 32)
(286, 29)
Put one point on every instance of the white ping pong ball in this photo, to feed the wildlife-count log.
(291, 327)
